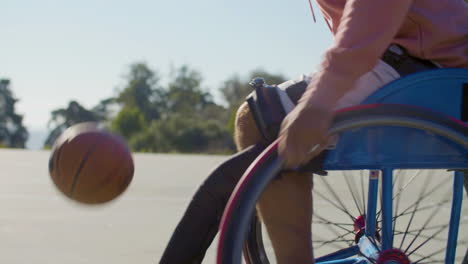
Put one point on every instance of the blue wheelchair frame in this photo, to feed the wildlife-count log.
(406, 147)
(438, 90)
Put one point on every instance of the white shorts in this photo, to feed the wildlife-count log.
(370, 82)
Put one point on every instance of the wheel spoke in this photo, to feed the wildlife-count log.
(327, 223)
(333, 240)
(414, 238)
(332, 229)
(325, 241)
(324, 222)
(436, 226)
(336, 196)
(340, 206)
(429, 219)
(352, 189)
(426, 195)
(397, 203)
(424, 208)
(400, 190)
(413, 234)
(430, 257)
(425, 241)
(422, 196)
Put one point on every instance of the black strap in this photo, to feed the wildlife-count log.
(266, 109)
(405, 64)
(296, 90)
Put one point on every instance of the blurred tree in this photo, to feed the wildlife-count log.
(150, 139)
(128, 122)
(138, 103)
(142, 91)
(188, 119)
(63, 118)
(184, 93)
(180, 133)
(179, 117)
(107, 108)
(12, 132)
(200, 125)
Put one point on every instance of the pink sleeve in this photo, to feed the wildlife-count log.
(366, 29)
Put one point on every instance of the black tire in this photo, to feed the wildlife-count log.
(254, 250)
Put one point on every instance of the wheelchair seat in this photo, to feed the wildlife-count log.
(442, 91)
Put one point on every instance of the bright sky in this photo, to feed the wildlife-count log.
(58, 50)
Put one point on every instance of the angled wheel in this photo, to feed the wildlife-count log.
(421, 200)
(415, 223)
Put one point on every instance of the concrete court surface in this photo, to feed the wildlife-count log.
(39, 225)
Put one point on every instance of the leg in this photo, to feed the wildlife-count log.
(286, 205)
(199, 225)
(286, 209)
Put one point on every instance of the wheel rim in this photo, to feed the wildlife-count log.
(420, 233)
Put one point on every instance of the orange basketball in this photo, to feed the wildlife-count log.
(90, 165)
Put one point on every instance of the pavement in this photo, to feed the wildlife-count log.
(40, 225)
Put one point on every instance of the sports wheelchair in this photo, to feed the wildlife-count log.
(394, 189)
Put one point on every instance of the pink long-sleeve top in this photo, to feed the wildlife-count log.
(436, 30)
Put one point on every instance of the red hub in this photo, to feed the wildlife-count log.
(359, 227)
(393, 256)
(359, 223)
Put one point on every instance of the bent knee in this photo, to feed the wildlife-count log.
(288, 195)
(246, 132)
(288, 184)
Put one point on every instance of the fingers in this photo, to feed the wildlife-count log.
(291, 156)
(296, 153)
(304, 134)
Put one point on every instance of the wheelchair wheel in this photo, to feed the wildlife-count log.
(415, 213)
(338, 219)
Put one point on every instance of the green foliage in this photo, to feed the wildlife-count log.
(63, 118)
(180, 133)
(232, 121)
(187, 119)
(142, 91)
(150, 139)
(196, 135)
(129, 121)
(184, 93)
(12, 132)
(178, 117)
(106, 109)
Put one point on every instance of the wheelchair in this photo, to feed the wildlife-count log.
(394, 189)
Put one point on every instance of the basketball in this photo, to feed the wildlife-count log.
(90, 165)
